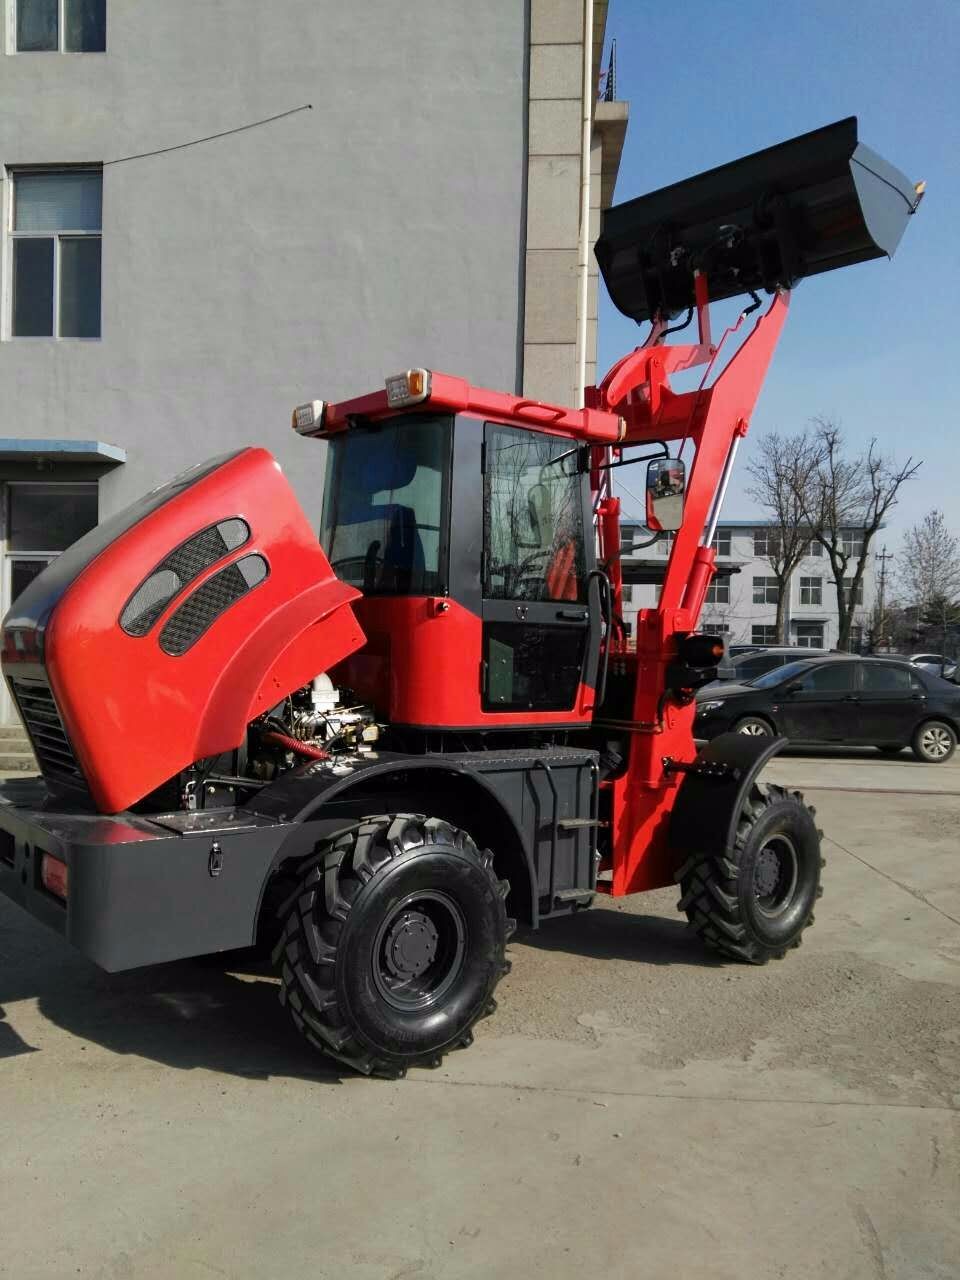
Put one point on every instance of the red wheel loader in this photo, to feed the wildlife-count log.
(377, 751)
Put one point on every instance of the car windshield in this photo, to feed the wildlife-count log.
(777, 676)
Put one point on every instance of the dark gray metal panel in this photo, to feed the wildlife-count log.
(708, 806)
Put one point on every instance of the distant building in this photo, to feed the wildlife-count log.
(743, 605)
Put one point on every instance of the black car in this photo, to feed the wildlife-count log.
(840, 699)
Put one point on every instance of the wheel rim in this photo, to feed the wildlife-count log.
(419, 950)
(935, 742)
(775, 875)
(753, 729)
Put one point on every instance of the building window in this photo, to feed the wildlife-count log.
(721, 542)
(665, 543)
(766, 591)
(813, 548)
(716, 628)
(626, 593)
(809, 635)
(848, 587)
(763, 635)
(766, 542)
(718, 591)
(811, 591)
(55, 230)
(42, 521)
(851, 542)
(64, 26)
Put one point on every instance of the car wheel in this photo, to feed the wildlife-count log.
(934, 742)
(754, 727)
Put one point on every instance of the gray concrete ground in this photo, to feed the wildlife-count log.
(635, 1109)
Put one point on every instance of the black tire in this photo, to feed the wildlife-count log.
(934, 742)
(393, 943)
(890, 748)
(755, 726)
(755, 903)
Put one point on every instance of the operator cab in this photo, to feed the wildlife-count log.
(471, 540)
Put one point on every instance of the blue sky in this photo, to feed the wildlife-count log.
(876, 346)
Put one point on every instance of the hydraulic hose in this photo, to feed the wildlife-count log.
(294, 744)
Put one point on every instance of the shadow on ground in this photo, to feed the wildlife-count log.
(220, 1014)
(604, 933)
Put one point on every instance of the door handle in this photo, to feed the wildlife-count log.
(573, 615)
(851, 697)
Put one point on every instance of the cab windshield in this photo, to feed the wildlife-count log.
(384, 507)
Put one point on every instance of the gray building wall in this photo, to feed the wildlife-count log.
(310, 257)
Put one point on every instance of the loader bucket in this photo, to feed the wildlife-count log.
(815, 203)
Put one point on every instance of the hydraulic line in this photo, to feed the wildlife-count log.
(294, 744)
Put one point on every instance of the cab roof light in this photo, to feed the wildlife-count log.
(308, 418)
(405, 389)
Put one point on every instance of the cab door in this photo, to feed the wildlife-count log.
(540, 607)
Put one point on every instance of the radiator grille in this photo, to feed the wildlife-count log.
(51, 745)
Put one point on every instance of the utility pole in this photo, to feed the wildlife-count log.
(883, 557)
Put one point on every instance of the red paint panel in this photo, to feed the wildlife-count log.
(136, 715)
(421, 666)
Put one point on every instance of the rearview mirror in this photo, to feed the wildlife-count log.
(666, 482)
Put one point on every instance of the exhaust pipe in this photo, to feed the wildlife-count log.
(815, 203)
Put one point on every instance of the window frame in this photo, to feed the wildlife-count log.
(763, 626)
(11, 237)
(763, 537)
(856, 603)
(13, 30)
(770, 584)
(802, 639)
(813, 587)
(722, 542)
(716, 586)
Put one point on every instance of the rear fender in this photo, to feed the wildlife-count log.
(708, 807)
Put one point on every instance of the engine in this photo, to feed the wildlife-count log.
(317, 722)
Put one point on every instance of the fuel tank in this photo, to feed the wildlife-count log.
(154, 640)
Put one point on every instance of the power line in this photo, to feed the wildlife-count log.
(212, 137)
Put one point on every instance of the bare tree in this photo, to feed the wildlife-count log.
(929, 562)
(846, 501)
(781, 471)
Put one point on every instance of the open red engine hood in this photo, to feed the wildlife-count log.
(167, 629)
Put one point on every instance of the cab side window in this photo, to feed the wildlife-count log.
(532, 518)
